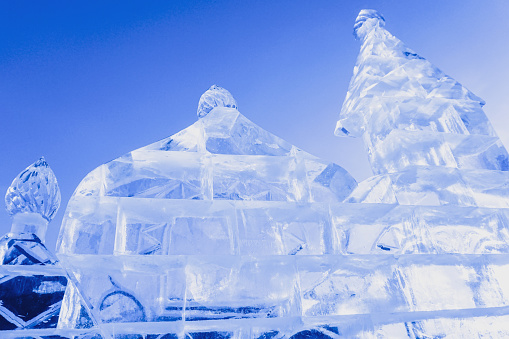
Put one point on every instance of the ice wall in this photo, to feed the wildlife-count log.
(197, 234)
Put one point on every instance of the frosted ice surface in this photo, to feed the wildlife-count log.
(436, 186)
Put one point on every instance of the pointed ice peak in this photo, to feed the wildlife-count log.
(215, 96)
(35, 190)
(366, 21)
(410, 113)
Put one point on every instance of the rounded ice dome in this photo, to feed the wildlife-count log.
(215, 96)
(367, 20)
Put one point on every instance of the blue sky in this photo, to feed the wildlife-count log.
(85, 82)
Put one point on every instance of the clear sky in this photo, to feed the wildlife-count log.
(85, 82)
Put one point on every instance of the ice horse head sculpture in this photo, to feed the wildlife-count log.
(201, 228)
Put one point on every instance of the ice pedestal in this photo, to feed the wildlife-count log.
(287, 266)
(31, 296)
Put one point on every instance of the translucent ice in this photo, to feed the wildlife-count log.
(215, 96)
(409, 112)
(33, 284)
(192, 228)
(224, 230)
(35, 190)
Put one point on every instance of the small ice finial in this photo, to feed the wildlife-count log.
(33, 199)
(215, 96)
(366, 21)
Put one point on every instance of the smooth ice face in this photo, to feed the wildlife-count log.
(31, 300)
(35, 190)
(215, 96)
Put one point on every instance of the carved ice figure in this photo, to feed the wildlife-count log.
(426, 135)
(438, 204)
(409, 112)
(33, 199)
(32, 282)
(30, 297)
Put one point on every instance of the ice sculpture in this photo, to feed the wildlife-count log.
(426, 135)
(32, 282)
(196, 235)
(410, 113)
(31, 287)
(437, 206)
(224, 230)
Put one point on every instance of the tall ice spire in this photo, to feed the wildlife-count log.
(409, 112)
